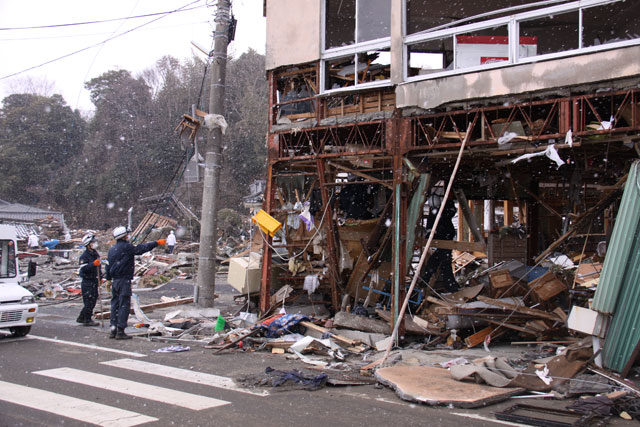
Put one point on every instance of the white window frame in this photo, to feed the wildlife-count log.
(350, 51)
(513, 25)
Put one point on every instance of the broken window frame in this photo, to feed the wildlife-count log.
(513, 24)
(351, 51)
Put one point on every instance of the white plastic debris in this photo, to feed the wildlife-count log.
(311, 283)
(508, 136)
(568, 138)
(550, 152)
(544, 375)
(213, 121)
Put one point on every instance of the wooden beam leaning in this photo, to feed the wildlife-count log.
(330, 233)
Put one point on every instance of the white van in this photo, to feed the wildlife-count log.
(18, 308)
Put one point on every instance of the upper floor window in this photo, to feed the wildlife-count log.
(357, 40)
(349, 22)
(444, 36)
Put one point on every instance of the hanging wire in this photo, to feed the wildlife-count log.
(308, 243)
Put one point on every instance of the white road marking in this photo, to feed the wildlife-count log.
(70, 407)
(89, 346)
(481, 418)
(182, 375)
(378, 399)
(132, 388)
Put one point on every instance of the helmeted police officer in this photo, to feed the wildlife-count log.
(120, 271)
(90, 272)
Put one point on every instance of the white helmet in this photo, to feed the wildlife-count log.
(87, 239)
(119, 232)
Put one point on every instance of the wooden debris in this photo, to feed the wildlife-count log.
(150, 307)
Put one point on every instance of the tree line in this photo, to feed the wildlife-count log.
(94, 169)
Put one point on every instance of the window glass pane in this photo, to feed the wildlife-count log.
(374, 19)
(425, 14)
(374, 65)
(482, 47)
(339, 73)
(340, 23)
(551, 33)
(430, 57)
(7, 259)
(610, 23)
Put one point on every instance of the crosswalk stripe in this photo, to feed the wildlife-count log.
(89, 346)
(183, 375)
(132, 388)
(70, 407)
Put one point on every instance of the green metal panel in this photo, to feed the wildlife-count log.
(414, 213)
(616, 262)
(624, 332)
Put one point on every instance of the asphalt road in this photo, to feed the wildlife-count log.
(67, 374)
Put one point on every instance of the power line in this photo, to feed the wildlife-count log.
(98, 34)
(96, 44)
(38, 27)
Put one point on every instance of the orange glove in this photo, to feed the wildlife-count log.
(96, 262)
(161, 242)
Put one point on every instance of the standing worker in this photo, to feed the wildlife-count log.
(90, 272)
(171, 242)
(120, 271)
(33, 241)
(441, 258)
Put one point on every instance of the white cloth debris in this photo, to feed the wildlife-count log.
(544, 375)
(305, 216)
(606, 125)
(508, 136)
(568, 138)
(311, 283)
(212, 121)
(562, 261)
(550, 152)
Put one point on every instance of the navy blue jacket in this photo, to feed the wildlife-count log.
(88, 271)
(121, 258)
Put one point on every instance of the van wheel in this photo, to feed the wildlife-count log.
(20, 331)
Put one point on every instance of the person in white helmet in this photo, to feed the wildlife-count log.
(120, 270)
(90, 272)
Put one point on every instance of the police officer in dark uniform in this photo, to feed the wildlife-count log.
(90, 272)
(120, 271)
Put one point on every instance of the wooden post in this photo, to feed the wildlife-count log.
(330, 233)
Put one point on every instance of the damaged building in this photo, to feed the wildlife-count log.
(370, 103)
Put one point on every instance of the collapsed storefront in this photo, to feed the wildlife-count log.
(362, 144)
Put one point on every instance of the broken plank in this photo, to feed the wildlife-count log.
(514, 327)
(458, 245)
(360, 323)
(520, 308)
(410, 325)
(344, 340)
(149, 307)
(479, 337)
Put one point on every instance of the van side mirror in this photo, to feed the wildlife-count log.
(31, 269)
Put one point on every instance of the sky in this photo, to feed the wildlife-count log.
(135, 51)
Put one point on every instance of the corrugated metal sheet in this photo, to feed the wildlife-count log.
(623, 238)
(624, 332)
(618, 292)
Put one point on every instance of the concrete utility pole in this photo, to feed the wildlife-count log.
(213, 149)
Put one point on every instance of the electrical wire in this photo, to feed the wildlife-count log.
(308, 243)
(99, 34)
(96, 44)
(38, 27)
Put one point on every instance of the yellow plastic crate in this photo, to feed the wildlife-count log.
(266, 222)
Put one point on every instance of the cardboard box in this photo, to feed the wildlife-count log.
(245, 272)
